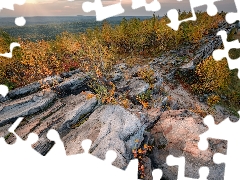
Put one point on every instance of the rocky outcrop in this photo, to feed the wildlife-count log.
(9, 112)
(177, 133)
(166, 121)
(26, 90)
(79, 115)
(72, 117)
(110, 128)
(210, 43)
(72, 85)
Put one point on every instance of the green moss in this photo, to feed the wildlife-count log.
(147, 96)
(82, 119)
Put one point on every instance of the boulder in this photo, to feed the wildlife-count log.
(116, 76)
(177, 133)
(63, 115)
(110, 127)
(3, 99)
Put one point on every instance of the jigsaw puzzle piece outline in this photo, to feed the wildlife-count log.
(219, 54)
(50, 150)
(153, 6)
(180, 162)
(10, 54)
(130, 172)
(22, 149)
(231, 17)
(216, 131)
(9, 4)
(103, 12)
(174, 16)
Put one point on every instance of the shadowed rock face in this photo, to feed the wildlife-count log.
(72, 85)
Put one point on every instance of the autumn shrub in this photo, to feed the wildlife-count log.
(213, 76)
(104, 93)
(100, 47)
(9, 66)
(140, 154)
(215, 79)
(213, 99)
(231, 96)
(147, 74)
(145, 98)
(199, 110)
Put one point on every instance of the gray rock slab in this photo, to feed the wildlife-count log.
(29, 105)
(110, 127)
(23, 91)
(72, 85)
(51, 80)
(73, 116)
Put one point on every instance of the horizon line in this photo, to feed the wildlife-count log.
(72, 16)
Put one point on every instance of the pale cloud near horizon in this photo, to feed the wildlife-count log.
(72, 8)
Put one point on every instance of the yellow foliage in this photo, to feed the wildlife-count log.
(99, 47)
(125, 103)
(90, 95)
(140, 154)
(212, 75)
(147, 74)
(198, 110)
(213, 99)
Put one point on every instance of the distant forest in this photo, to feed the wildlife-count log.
(47, 28)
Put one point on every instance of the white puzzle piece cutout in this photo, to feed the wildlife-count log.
(174, 16)
(10, 54)
(229, 131)
(153, 6)
(180, 162)
(101, 11)
(232, 17)
(4, 90)
(219, 54)
(29, 164)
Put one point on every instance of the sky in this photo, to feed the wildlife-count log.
(73, 8)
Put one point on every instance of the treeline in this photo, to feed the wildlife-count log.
(99, 47)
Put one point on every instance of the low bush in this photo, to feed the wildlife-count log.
(99, 47)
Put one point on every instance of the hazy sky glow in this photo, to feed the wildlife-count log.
(67, 8)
